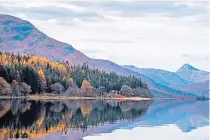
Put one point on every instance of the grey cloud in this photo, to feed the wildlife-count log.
(49, 12)
(96, 9)
(140, 8)
(185, 55)
(196, 57)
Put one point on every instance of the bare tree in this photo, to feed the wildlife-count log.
(57, 88)
(126, 91)
(15, 88)
(101, 91)
(24, 88)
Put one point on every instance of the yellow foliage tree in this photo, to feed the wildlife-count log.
(70, 82)
(87, 88)
(86, 108)
(42, 80)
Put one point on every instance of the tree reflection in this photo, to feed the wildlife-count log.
(32, 119)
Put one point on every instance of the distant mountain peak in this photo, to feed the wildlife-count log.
(188, 67)
(192, 74)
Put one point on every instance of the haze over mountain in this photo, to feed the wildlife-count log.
(20, 36)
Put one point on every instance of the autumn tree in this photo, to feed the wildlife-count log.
(70, 82)
(41, 81)
(72, 88)
(5, 88)
(87, 88)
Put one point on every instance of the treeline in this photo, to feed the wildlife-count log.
(29, 74)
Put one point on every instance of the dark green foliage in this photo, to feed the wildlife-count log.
(27, 75)
(111, 81)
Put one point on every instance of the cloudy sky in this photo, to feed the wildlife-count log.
(149, 34)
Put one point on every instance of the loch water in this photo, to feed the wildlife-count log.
(104, 120)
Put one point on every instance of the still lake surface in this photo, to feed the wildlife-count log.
(104, 120)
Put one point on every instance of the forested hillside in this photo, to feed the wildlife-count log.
(29, 74)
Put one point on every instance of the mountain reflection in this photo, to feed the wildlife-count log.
(33, 119)
(187, 115)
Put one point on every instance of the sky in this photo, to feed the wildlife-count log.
(146, 34)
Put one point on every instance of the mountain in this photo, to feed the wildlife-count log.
(192, 74)
(163, 77)
(199, 89)
(20, 36)
(176, 80)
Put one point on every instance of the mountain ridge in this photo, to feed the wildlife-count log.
(161, 76)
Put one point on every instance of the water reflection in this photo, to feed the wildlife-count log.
(77, 120)
(166, 119)
(186, 115)
(32, 119)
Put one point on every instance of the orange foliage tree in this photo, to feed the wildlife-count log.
(5, 88)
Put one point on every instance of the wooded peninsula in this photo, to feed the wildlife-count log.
(32, 76)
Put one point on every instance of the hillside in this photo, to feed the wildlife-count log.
(163, 77)
(199, 89)
(20, 36)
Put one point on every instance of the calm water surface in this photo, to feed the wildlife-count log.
(104, 120)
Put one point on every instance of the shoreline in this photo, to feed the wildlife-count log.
(47, 97)
(63, 97)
